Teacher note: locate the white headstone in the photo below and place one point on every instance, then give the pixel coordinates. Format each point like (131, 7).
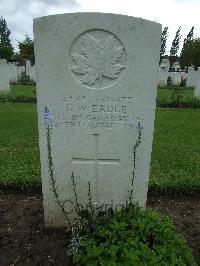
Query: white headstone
(19, 72)
(192, 78)
(32, 73)
(28, 68)
(93, 83)
(22, 69)
(184, 75)
(176, 78)
(4, 76)
(162, 77)
(13, 74)
(197, 87)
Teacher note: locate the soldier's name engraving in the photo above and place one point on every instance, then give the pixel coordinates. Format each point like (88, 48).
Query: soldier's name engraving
(81, 111)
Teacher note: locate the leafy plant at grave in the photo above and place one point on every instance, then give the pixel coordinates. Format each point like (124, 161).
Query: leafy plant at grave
(97, 59)
(88, 220)
(135, 237)
(176, 97)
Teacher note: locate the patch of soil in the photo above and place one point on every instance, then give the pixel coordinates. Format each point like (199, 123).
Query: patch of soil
(184, 212)
(25, 241)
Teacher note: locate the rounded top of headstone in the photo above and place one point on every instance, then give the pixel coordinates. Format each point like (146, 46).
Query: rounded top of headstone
(94, 14)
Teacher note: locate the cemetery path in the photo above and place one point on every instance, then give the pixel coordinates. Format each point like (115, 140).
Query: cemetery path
(24, 240)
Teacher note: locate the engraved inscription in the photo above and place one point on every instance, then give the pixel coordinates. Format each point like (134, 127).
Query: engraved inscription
(81, 111)
(97, 58)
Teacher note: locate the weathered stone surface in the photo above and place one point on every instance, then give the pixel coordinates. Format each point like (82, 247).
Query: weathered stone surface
(162, 77)
(32, 73)
(176, 77)
(99, 84)
(28, 68)
(197, 87)
(13, 73)
(22, 70)
(191, 78)
(4, 76)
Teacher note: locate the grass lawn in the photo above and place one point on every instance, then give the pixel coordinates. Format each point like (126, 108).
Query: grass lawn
(22, 90)
(19, 151)
(175, 156)
(163, 94)
(176, 148)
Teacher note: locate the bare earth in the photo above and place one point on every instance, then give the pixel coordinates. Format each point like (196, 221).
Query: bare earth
(24, 240)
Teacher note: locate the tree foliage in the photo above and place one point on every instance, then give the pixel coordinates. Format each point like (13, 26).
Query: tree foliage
(189, 37)
(175, 47)
(6, 49)
(185, 53)
(163, 42)
(191, 54)
(26, 49)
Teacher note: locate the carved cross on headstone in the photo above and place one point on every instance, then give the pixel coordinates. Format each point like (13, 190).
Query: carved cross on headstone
(95, 160)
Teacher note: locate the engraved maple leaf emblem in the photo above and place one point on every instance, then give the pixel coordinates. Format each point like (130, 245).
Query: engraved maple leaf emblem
(97, 59)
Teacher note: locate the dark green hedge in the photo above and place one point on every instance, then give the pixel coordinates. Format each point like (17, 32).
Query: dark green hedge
(189, 103)
(16, 99)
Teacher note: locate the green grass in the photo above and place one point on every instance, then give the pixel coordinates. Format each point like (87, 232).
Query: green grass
(19, 151)
(176, 149)
(175, 157)
(163, 94)
(22, 90)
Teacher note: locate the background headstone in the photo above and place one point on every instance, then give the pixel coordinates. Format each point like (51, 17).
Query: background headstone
(162, 77)
(176, 77)
(19, 72)
(197, 87)
(13, 73)
(32, 73)
(28, 68)
(4, 76)
(184, 75)
(22, 69)
(191, 78)
(99, 83)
